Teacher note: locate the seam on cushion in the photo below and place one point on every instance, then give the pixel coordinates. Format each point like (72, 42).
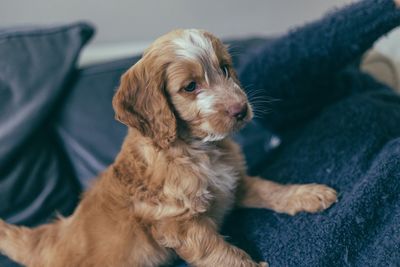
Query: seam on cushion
(109, 67)
(97, 72)
(45, 31)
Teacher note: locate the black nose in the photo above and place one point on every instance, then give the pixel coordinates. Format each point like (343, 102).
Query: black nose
(239, 111)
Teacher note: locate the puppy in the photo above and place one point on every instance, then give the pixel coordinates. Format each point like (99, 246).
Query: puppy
(177, 175)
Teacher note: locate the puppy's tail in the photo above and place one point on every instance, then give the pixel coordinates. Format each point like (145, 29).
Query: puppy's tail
(19, 243)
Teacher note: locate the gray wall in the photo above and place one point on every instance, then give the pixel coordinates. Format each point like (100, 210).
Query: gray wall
(144, 20)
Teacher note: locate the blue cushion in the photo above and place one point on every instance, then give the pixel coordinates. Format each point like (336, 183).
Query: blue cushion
(36, 66)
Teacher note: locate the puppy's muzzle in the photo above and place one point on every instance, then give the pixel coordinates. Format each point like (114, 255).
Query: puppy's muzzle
(238, 111)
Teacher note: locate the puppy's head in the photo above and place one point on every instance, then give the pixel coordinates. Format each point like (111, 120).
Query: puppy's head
(185, 76)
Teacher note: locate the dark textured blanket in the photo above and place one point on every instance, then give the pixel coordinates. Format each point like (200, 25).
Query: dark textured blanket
(338, 127)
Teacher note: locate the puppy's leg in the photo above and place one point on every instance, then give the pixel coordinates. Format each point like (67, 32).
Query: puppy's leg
(198, 243)
(291, 199)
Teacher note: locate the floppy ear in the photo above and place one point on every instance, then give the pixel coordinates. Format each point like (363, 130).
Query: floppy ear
(140, 102)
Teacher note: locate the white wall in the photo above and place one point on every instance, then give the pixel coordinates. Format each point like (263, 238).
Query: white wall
(126, 27)
(144, 20)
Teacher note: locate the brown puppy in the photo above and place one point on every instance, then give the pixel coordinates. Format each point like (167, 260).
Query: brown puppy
(177, 174)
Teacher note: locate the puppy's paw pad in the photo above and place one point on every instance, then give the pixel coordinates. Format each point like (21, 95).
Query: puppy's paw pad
(311, 198)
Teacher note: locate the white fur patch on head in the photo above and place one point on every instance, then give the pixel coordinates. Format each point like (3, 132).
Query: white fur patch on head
(192, 44)
(205, 103)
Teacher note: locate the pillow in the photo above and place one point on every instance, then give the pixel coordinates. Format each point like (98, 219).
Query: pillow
(35, 67)
(88, 131)
(35, 178)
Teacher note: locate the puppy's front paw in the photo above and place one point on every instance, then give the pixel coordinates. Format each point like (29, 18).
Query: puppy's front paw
(263, 264)
(309, 198)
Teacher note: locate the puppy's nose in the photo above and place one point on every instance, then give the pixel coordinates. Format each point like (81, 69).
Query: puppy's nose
(239, 111)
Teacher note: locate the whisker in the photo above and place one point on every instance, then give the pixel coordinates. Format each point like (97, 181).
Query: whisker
(260, 103)
(262, 110)
(235, 53)
(262, 98)
(254, 94)
(262, 114)
(254, 91)
(259, 93)
(258, 110)
(247, 87)
(258, 97)
(261, 107)
(266, 97)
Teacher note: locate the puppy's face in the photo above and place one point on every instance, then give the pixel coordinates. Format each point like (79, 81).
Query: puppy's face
(185, 76)
(203, 87)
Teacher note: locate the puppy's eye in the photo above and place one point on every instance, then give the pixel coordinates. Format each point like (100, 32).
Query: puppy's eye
(191, 87)
(225, 71)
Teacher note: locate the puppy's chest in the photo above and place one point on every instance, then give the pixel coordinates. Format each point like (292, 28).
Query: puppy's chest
(221, 177)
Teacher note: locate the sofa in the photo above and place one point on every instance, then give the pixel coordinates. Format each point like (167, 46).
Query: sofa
(57, 132)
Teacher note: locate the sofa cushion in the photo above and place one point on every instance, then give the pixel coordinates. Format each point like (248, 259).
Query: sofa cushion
(36, 65)
(86, 125)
